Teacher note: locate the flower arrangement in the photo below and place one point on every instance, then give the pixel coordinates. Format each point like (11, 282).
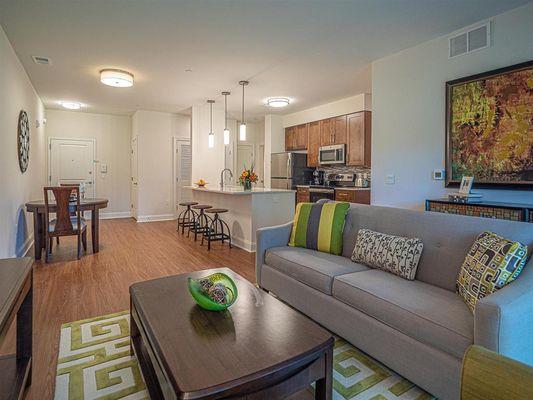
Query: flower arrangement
(248, 176)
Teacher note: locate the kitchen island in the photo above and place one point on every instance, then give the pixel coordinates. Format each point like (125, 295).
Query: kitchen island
(248, 210)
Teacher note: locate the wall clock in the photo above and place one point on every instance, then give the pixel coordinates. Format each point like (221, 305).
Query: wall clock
(23, 141)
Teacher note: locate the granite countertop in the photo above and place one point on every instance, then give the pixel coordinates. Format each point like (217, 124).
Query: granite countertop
(237, 190)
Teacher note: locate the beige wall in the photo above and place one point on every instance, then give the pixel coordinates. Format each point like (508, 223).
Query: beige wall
(155, 132)
(348, 105)
(408, 118)
(112, 135)
(17, 93)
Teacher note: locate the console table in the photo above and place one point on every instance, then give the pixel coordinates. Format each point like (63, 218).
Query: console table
(16, 297)
(486, 209)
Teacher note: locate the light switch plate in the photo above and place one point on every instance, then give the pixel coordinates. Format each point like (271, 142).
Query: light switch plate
(438, 174)
(390, 179)
(103, 168)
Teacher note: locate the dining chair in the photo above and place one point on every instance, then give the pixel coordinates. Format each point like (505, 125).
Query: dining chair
(72, 213)
(68, 220)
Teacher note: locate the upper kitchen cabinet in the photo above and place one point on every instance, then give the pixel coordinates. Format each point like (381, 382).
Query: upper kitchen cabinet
(340, 129)
(358, 139)
(327, 132)
(290, 134)
(333, 131)
(313, 143)
(296, 138)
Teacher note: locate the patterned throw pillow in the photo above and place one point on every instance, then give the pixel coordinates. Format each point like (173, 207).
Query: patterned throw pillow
(394, 254)
(491, 263)
(319, 226)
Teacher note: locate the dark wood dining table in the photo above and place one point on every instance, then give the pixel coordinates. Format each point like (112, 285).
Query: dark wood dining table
(88, 204)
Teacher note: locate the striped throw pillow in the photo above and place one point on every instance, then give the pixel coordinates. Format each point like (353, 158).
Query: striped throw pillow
(319, 226)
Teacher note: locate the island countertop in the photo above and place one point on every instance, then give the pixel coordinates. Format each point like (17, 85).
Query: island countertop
(238, 190)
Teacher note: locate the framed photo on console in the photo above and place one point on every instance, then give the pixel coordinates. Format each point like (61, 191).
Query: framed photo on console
(489, 128)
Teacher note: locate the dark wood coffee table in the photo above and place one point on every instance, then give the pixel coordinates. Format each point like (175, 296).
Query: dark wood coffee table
(258, 349)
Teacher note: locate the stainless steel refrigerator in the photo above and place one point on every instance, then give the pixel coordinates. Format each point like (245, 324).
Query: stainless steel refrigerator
(289, 170)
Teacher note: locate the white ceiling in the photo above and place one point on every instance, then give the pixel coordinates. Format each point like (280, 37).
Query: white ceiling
(311, 51)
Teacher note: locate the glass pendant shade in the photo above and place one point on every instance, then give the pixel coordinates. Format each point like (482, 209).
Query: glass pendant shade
(226, 136)
(211, 140)
(242, 132)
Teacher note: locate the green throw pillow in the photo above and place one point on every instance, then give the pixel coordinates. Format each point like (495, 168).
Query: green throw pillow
(319, 226)
(491, 263)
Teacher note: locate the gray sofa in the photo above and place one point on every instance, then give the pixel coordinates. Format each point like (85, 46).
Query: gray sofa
(419, 328)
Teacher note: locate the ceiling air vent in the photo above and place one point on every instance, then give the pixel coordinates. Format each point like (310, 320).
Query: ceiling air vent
(41, 60)
(470, 40)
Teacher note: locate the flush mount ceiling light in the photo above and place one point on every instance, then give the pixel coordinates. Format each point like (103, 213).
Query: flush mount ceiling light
(116, 78)
(278, 102)
(242, 127)
(71, 105)
(211, 136)
(226, 130)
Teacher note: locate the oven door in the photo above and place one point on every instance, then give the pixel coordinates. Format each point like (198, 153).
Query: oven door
(317, 194)
(331, 154)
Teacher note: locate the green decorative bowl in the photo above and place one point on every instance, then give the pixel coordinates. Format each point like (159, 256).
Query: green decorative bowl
(215, 292)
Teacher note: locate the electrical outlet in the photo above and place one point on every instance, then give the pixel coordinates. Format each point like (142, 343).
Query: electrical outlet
(390, 179)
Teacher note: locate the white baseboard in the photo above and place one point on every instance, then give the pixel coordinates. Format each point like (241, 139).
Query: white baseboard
(154, 218)
(23, 250)
(243, 244)
(113, 215)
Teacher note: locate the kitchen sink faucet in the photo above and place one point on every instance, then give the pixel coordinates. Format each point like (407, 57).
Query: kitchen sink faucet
(222, 176)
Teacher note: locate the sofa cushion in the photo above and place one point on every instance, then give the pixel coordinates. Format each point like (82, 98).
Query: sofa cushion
(311, 267)
(491, 263)
(395, 254)
(429, 314)
(319, 226)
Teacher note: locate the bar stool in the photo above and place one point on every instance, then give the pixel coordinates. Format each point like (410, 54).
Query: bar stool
(213, 234)
(201, 222)
(186, 217)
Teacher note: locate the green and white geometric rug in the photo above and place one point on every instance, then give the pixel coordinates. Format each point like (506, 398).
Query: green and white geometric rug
(95, 362)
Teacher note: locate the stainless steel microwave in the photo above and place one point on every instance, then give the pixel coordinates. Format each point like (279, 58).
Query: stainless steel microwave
(335, 154)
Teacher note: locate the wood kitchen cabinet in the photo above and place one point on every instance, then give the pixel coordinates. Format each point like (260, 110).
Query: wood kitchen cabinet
(358, 146)
(313, 143)
(290, 134)
(333, 131)
(353, 196)
(296, 137)
(302, 195)
(327, 132)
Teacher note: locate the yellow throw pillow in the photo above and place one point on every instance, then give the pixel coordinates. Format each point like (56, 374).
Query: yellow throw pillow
(491, 263)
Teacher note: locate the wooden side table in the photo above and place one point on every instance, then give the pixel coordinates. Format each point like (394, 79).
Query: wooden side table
(16, 297)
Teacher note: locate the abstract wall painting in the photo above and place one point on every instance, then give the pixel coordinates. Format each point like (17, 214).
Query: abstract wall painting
(489, 128)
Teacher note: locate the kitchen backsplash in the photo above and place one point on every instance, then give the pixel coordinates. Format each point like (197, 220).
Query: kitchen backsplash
(344, 169)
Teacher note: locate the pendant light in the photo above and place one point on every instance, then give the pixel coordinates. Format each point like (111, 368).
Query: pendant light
(242, 127)
(226, 130)
(211, 136)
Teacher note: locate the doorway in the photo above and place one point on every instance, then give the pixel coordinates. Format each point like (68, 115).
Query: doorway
(182, 172)
(72, 161)
(245, 157)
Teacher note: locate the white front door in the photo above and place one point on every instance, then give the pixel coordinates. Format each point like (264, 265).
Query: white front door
(182, 172)
(71, 161)
(134, 181)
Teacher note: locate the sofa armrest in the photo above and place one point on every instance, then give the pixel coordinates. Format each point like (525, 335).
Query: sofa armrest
(487, 375)
(266, 238)
(503, 321)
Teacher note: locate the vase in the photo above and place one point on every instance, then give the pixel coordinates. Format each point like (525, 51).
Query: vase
(247, 185)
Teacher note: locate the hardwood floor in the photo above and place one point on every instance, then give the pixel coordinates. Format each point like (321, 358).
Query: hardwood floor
(67, 289)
